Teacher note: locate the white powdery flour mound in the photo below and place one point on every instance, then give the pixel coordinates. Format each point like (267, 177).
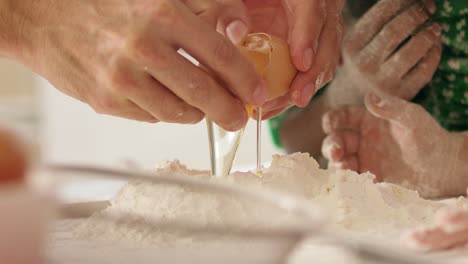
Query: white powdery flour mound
(354, 202)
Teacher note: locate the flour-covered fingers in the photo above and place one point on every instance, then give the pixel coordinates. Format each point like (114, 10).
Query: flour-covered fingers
(348, 163)
(347, 117)
(453, 220)
(412, 52)
(450, 231)
(395, 32)
(372, 22)
(340, 144)
(422, 74)
(435, 238)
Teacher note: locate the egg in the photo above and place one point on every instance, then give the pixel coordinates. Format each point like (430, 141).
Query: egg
(13, 160)
(271, 57)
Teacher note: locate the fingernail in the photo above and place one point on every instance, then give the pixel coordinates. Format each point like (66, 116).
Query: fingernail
(436, 29)
(308, 56)
(260, 94)
(375, 100)
(240, 123)
(307, 93)
(430, 6)
(337, 152)
(236, 31)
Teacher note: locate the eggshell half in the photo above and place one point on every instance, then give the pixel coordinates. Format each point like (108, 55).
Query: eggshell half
(271, 58)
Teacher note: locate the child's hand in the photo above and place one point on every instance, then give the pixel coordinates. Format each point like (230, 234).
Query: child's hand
(376, 56)
(450, 231)
(397, 141)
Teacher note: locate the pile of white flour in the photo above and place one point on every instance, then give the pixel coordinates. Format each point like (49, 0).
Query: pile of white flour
(354, 201)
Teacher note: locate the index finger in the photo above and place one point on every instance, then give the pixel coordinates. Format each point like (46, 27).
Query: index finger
(218, 54)
(372, 22)
(229, 17)
(347, 117)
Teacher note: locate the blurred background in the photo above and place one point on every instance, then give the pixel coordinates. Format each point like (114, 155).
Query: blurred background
(61, 129)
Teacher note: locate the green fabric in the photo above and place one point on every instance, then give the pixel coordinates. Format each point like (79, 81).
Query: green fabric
(446, 96)
(274, 124)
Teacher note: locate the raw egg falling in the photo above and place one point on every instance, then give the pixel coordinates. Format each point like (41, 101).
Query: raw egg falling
(271, 57)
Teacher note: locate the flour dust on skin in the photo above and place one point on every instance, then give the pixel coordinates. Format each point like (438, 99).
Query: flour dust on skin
(353, 201)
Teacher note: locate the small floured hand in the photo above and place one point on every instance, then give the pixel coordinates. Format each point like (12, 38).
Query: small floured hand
(397, 141)
(450, 231)
(392, 49)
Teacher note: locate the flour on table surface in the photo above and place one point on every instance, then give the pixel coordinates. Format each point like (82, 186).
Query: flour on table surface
(354, 202)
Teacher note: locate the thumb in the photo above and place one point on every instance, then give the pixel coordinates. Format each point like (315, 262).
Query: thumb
(396, 110)
(230, 17)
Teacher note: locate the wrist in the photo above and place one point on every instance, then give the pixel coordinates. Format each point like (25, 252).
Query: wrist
(342, 92)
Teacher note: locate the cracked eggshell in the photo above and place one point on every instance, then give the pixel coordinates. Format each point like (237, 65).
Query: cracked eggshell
(271, 58)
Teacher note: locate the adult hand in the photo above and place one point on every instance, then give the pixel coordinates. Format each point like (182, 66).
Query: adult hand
(121, 57)
(390, 50)
(314, 31)
(397, 141)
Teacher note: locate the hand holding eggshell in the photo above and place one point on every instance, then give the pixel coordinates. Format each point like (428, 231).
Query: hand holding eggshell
(130, 65)
(313, 30)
